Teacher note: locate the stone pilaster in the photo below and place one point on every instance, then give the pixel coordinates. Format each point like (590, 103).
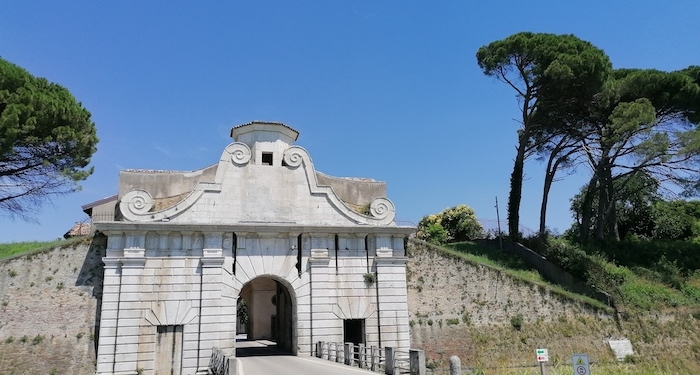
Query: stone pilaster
(211, 324)
(393, 300)
(324, 324)
(110, 310)
(131, 350)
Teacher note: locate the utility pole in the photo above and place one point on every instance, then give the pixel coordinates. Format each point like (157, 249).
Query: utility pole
(498, 221)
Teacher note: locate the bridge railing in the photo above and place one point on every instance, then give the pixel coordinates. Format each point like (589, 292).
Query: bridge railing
(401, 359)
(222, 362)
(387, 361)
(371, 358)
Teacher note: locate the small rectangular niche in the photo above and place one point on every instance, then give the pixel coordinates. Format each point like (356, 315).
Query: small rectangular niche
(168, 350)
(266, 158)
(354, 331)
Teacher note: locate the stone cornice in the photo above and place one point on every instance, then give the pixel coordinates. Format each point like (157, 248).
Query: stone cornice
(108, 226)
(383, 261)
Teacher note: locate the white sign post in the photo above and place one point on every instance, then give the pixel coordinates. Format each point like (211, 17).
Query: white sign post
(580, 363)
(542, 356)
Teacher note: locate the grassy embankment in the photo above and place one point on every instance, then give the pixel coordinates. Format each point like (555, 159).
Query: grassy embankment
(658, 304)
(17, 249)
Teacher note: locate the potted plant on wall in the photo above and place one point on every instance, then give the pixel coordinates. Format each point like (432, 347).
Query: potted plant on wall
(370, 278)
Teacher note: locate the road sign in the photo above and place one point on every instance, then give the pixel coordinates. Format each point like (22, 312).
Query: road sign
(542, 355)
(580, 363)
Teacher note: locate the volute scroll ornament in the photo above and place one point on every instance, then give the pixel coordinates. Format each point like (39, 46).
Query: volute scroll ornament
(137, 202)
(382, 208)
(294, 156)
(240, 153)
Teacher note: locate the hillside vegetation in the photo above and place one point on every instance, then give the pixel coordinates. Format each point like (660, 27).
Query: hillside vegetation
(510, 310)
(640, 276)
(9, 250)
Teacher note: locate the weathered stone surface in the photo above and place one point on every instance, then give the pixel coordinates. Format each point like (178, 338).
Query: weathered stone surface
(465, 309)
(259, 226)
(455, 365)
(50, 300)
(622, 348)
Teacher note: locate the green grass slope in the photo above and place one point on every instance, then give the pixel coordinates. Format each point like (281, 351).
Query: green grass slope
(661, 321)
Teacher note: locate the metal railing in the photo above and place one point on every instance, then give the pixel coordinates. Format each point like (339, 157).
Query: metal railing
(104, 216)
(361, 356)
(490, 228)
(222, 362)
(402, 362)
(387, 360)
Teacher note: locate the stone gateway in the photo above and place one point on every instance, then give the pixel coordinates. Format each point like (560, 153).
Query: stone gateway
(314, 257)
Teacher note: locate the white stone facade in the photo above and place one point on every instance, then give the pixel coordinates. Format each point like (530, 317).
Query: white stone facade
(177, 260)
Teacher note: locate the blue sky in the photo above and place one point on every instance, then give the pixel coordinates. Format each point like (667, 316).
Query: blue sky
(384, 89)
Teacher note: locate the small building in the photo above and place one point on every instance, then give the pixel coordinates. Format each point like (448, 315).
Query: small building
(102, 210)
(315, 258)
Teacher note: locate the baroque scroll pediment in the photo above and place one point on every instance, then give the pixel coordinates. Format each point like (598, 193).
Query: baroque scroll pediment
(137, 205)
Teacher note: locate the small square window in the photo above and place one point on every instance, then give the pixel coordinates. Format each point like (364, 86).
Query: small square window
(267, 158)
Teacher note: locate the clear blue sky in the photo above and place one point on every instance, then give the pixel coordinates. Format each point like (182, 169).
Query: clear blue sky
(382, 89)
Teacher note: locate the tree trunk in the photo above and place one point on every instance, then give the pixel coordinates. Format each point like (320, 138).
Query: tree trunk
(516, 189)
(586, 210)
(553, 164)
(600, 211)
(604, 197)
(611, 209)
(548, 179)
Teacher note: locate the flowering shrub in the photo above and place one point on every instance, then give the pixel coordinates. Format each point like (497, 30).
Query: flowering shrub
(453, 224)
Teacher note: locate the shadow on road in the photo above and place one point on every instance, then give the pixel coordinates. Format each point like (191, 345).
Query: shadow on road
(257, 348)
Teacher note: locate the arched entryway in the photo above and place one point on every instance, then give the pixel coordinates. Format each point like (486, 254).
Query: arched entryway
(271, 313)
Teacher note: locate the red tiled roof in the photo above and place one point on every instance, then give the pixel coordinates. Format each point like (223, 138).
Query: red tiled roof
(79, 230)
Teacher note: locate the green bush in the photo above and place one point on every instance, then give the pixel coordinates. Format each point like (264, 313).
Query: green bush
(453, 224)
(517, 322)
(436, 234)
(691, 292)
(37, 339)
(467, 318)
(646, 295)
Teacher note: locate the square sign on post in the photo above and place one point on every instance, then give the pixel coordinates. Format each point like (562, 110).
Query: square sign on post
(542, 355)
(580, 363)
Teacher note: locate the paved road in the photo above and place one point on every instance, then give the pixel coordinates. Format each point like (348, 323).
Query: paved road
(261, 358)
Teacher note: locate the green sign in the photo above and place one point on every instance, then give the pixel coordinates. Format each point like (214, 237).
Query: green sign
(542, 355)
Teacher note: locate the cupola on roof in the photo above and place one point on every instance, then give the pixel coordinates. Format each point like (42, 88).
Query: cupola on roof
(263, 131)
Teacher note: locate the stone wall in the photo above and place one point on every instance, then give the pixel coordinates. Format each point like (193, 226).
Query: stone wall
(48, 300)
(465, 309)
(442, 286)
